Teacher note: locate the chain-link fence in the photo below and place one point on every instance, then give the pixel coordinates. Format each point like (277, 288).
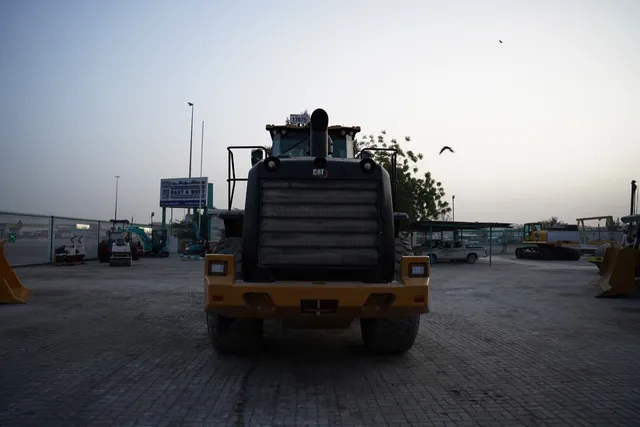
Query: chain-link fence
(34, 238)
(505, 241)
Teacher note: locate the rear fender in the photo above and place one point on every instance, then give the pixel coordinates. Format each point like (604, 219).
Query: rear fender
(400, 222)
(233, 223)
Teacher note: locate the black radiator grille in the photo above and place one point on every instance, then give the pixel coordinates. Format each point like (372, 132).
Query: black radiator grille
(321, 223)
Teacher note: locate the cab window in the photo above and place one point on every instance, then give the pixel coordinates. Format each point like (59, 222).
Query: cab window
(339, 148)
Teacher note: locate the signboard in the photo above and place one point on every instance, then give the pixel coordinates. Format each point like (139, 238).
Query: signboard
(12, 237)
(299, 119)
(184, 192)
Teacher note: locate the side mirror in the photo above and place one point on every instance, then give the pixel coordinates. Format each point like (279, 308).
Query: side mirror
(256, 156)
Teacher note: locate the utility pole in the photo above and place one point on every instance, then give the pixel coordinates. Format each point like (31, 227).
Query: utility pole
(190, 104)
(191, 138)
(115, 215)
(201, 209)
(453, 207)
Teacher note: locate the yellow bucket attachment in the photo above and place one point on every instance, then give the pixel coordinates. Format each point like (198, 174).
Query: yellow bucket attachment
(609, 257)
(618, 271)
(11, 290)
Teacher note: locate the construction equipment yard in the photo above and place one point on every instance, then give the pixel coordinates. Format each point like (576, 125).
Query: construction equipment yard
(520, 342)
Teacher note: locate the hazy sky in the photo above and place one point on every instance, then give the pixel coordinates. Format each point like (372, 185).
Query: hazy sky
(542, 124)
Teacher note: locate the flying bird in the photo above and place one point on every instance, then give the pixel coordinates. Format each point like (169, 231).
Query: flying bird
(500, 41)
(446, 147)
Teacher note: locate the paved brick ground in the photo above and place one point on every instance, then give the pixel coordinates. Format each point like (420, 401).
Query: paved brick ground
(508, 345)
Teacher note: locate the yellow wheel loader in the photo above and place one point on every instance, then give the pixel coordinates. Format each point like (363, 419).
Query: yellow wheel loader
(11, 289)
(317, 245)
(620, 268)
(597, 257)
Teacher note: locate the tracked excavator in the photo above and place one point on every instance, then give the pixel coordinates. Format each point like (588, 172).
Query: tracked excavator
(554, 243)
(317, 245)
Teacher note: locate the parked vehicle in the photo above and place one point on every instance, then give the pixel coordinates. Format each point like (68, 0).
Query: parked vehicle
(452, 251)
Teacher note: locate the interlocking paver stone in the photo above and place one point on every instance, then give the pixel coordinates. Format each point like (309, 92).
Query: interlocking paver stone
(507, 345)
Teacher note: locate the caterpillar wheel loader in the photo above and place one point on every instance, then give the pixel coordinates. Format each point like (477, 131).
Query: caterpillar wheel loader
(317, 245)
(597, 258)
(620, 268)
(557, 243)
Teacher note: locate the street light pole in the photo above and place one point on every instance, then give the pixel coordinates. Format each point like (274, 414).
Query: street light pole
(191, 138)
(190, 104)
(201, 209)
(201, 148)
(453, 207)
(115, 215)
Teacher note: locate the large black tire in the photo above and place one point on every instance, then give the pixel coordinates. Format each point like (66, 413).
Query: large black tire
(135, 255)
(234, 335)
(103, 251)
(472, 258)
(395, 335)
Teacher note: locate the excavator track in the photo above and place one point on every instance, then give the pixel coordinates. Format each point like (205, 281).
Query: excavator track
(548, 253)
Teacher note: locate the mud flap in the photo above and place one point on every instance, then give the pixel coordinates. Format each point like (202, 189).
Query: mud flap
(618, 272)
(11, 289)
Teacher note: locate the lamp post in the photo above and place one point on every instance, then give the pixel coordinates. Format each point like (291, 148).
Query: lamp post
(190, 138)
(115, 215)
(201, 209)
(201, 148)
(453, 207)
(190, 104)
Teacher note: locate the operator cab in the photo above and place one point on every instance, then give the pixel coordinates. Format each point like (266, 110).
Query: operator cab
(293, 141)
(530, 228)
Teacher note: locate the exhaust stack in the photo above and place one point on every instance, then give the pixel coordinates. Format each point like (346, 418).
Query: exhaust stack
(634, 187)
(319, 133)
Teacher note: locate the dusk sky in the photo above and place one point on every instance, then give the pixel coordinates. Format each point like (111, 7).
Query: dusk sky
(542, 124)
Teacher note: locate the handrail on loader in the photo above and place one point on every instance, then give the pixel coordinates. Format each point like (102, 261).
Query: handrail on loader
(11, 289)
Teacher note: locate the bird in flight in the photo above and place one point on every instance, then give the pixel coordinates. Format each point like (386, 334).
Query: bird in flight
(446, 147)
(500, 41)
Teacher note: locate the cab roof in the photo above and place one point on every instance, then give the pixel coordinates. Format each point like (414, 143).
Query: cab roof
(278, 128)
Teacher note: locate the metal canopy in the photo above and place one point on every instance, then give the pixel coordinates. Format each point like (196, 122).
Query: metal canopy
(442, 226)
(439, 226)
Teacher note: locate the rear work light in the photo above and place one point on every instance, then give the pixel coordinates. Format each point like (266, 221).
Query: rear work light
(217, 268)
(418, 270)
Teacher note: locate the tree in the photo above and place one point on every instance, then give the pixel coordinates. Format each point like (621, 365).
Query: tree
(552, 222)
(186, 230)
(420, 196)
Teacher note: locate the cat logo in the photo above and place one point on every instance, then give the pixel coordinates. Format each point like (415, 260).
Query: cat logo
(320, 173)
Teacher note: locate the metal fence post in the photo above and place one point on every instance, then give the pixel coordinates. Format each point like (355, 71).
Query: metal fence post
(52, 239)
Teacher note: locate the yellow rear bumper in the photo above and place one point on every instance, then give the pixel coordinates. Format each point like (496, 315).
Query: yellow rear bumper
(229, 297)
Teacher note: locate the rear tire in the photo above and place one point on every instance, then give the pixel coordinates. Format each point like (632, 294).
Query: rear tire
(234, 335)
(230, 335)
(472, 258)
(396, 335)
(388, 336)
